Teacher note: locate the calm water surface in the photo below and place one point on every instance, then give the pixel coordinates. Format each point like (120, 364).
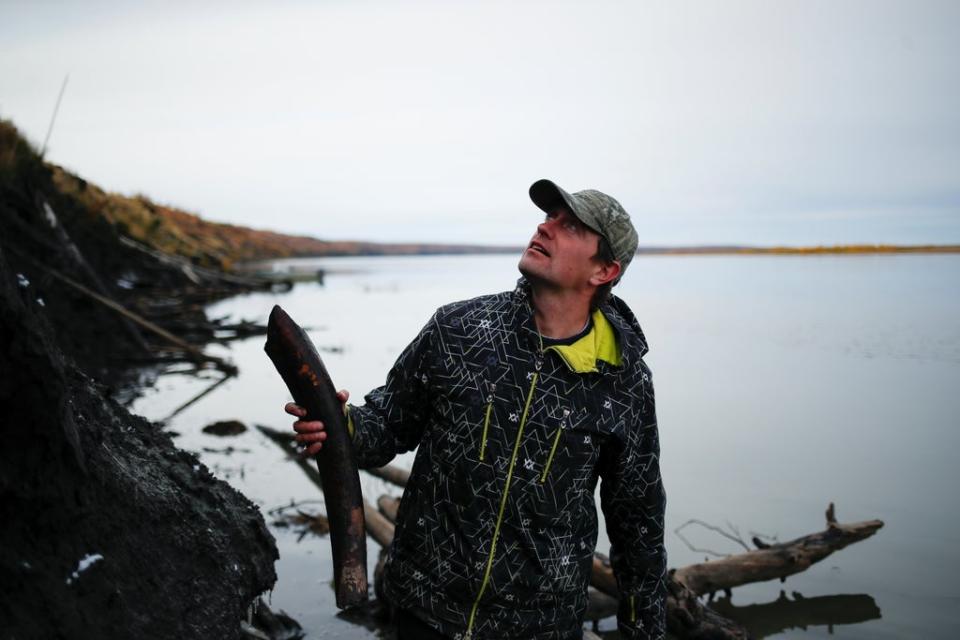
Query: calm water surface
(783, 383)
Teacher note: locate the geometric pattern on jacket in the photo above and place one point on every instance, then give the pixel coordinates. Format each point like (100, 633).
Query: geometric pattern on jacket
(497, 525)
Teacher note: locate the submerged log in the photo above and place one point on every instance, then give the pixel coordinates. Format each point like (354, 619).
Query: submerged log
(776, 560)
(389, 506)
(687, 617)
(381, 527)
(393, 475)
(691, 619)
(303, 371)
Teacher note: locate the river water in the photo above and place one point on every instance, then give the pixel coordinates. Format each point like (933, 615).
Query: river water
(783, 383)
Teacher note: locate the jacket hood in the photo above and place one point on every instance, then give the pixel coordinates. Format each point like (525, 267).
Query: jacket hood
(620, 315)
(623, 319)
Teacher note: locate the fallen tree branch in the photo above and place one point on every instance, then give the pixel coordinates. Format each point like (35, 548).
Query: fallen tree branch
(776, 560)
(713, 528)
(393, 475)
(390, 473)
(81, 264)
(195, 399)
(379, 526)
(194, 352)
(389, 506)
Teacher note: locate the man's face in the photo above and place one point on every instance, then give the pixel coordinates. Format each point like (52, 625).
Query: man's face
(560, 254)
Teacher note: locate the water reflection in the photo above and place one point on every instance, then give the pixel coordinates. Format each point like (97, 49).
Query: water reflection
(371, 617)
(783, 614)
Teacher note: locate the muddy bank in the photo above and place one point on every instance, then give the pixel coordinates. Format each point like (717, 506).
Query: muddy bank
(110, 531)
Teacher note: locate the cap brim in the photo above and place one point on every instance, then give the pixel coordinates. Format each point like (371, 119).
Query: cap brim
(548, 196)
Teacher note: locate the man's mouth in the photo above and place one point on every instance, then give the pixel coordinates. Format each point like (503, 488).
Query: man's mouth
(536, 246)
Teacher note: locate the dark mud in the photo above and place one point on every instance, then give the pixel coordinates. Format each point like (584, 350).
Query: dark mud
(108, 529)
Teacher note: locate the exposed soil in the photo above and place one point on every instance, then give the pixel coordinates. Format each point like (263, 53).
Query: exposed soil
(109, 530)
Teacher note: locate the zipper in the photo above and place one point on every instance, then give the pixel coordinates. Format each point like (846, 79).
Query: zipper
(633, 608)
(491, 387)
(553, 449)
(503, 499)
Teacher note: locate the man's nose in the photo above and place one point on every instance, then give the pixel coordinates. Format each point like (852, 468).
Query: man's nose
(544, 228)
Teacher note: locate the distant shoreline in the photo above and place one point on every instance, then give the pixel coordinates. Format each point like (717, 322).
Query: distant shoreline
(364, 249)
(837, 249)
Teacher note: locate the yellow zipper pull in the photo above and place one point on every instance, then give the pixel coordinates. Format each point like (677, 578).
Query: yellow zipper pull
(553, 449)
(491, 387)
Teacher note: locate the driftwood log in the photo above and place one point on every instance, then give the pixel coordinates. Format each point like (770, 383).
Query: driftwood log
(379, 526)
(391, 474)
(775, 561)
(303, 371)
(688, 617)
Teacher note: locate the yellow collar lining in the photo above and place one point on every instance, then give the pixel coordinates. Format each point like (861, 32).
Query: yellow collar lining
(599, 344)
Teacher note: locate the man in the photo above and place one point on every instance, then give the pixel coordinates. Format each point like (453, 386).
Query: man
(519, 402)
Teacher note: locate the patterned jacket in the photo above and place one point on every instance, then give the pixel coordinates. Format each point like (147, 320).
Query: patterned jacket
(497, 526)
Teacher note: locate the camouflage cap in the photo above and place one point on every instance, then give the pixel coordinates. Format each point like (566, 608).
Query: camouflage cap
(597, 210)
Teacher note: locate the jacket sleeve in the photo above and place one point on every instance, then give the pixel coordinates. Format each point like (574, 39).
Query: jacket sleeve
(633, 502)
(393, 417)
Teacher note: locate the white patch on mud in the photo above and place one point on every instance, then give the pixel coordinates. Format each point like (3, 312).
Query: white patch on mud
(85, 563)
(50, 215)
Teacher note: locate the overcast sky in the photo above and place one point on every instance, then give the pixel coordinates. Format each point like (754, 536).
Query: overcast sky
(765, 122)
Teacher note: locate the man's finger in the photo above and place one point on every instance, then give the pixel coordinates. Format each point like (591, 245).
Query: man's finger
(312, 436)
(294, 409)
(308, 426)
(312, 450)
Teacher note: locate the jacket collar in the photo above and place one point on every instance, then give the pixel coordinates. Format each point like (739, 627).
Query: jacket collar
(599, 344)
(619, 340)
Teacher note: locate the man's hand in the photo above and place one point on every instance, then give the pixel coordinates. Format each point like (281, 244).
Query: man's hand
(311, 433)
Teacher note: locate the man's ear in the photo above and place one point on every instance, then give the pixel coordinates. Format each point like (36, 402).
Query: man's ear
(605, 272)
